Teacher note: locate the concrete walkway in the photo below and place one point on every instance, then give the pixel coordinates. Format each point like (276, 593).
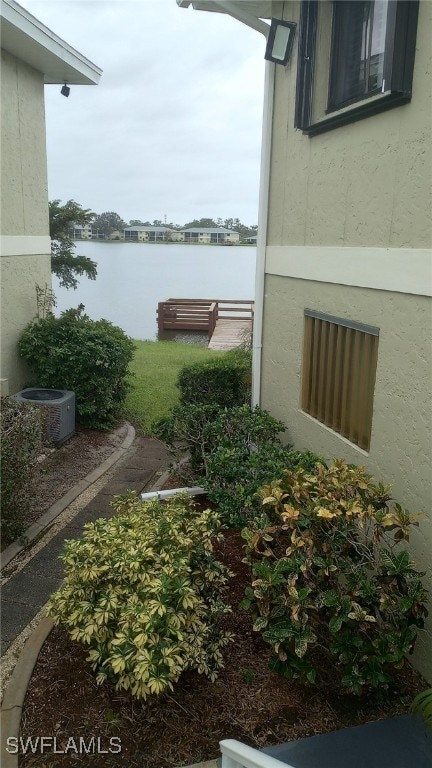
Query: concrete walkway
(24, 594)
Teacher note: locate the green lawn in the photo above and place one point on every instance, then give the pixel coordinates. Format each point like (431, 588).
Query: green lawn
(155, 368)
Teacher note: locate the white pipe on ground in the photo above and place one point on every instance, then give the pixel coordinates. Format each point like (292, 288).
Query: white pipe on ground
(196, 490)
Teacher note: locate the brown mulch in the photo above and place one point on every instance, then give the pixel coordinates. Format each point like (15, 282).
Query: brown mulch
(247, 701)
(61, 469)
(72, 462)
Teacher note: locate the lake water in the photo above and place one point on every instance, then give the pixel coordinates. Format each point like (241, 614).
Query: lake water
(133, 277)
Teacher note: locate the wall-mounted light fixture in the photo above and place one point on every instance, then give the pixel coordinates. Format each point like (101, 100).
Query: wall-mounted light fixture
(65, 91)
(280, 41)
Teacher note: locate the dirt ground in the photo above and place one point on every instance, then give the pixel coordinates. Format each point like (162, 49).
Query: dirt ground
(60, 469)
(247, 701)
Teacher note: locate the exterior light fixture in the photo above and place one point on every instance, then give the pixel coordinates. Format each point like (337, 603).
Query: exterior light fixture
(65, 91)
(280, 41)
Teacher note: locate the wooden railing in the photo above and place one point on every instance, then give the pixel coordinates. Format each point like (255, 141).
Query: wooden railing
(213, 316)
(200, 314)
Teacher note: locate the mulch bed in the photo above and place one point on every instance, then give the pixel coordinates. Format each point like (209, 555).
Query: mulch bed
(62, 468)
(247, 702)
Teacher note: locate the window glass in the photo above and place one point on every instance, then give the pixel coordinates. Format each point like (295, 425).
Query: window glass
(355, 59)
(358, 50)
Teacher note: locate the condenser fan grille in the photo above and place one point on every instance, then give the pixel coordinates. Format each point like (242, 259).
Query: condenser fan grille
(59, 409)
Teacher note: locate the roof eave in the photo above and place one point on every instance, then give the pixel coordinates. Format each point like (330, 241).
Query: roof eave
(26, 38)
(259, 8)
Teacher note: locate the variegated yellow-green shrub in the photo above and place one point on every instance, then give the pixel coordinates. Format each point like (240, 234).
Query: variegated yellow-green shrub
(331, 586)
(144, 593)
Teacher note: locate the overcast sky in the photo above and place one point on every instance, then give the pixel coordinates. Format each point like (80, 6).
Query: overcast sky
(174, 126)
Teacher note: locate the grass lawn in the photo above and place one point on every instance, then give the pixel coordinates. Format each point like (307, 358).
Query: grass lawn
(155, 367)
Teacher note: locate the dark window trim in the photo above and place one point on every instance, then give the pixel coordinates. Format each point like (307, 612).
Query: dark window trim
(333, 105)
(305, 64)
(354, 100)
(401, 77)
(358, 113)
(371, 329)
(404, 40)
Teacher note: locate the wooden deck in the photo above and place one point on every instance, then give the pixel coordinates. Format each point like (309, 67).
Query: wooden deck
(229, 334)
(226, 322)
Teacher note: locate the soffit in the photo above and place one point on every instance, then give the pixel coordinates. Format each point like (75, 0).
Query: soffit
(26, 38)
(259, 8)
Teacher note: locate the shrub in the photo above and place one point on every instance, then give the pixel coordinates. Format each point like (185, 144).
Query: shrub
(224, 381)
(232, 452)
(422, 705)
(234, 476)
(230, 436)
(144, 592)
(244, 452)
(90, 357)
(21, 427)
(327, 586)
(184, 432)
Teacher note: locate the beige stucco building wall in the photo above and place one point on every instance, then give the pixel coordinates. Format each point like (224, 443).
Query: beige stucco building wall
(348, 234)
(25, 243)
(177, 237)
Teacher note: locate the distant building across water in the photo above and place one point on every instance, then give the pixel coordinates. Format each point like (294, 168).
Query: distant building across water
(159, 234)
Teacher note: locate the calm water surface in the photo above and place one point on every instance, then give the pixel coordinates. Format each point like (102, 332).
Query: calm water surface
(133, 277)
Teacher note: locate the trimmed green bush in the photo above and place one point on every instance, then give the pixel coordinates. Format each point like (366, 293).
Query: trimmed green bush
(330, 589)
(21, 429)
(90, 357)
(246, 452)
(232, 452)
(224, 381)
(184, 433)
(144, 593)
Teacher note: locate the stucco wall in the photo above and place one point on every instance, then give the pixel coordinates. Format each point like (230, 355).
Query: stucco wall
(367, 186)
(400, 449)
(19, 275)
(25, 252)
(24, 199)
(367, 183)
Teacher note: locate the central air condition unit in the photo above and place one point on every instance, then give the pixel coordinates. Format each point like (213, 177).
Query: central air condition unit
(59, 407)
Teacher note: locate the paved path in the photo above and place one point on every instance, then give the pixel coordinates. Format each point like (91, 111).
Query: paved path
(29, 589)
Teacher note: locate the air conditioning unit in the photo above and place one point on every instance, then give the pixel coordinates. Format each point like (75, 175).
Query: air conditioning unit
(59, 407)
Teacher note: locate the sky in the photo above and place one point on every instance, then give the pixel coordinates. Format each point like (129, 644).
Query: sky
(174, 127)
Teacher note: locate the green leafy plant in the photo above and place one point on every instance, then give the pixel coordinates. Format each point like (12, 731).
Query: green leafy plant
(65, 264)
(328, 585)
(232, 452)
(21, 430)
(422, 705)
(248, 675)
(185, 433)
(90, 357)
(144, 593)
(224, 381)
(245, 451)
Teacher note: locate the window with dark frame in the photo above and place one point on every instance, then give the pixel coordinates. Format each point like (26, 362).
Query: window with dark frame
(360, 57)
(338, 376)
(371, 55)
